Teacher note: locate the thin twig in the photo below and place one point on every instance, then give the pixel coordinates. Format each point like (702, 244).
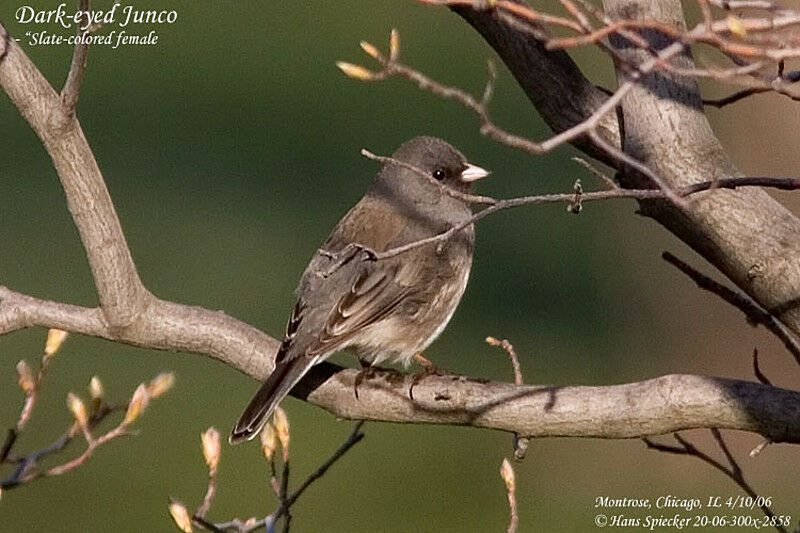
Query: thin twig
(216, 528)
(31, 396)
(736, 5)
(641, 168)
(779, 84)
(735, 97)
(495, 204)
(72, 87)
(512, 354)
(713, 35)
(757, 371)
(282, 497)
(31, 386)
(470, 198)
(520, 11)
(27, 466)
(11, 438)
(82, 458)
(733, 471)
(29, 461)
(273, 477)
(596, 172)
(287, 501)
(761, 447)
(753, 37)
(520, 443)
(392, 67)
(734, 466)
(211, 491)
(754, 312)
(354, 438)
(512, 506)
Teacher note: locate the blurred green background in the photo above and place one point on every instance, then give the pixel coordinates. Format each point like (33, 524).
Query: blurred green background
(230, 149)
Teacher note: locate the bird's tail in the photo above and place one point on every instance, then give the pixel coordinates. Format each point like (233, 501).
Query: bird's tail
(285, 376)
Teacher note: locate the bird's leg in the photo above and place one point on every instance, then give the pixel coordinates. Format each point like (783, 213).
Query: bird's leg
(428, 369)
(427, 365)
(366, 370)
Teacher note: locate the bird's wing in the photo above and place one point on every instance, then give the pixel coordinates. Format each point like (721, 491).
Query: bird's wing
(361, 291)
(373, 289)
(332, 308)
(377, 291)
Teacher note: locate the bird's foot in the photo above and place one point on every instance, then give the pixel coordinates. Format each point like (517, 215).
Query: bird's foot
(428, 369)
(365, 372)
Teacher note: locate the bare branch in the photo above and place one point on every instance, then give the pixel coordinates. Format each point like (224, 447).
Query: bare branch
(286, 500)
(519, 10)
(735, 232)
(520, 442)
(123, 298)
(72, 87)
(657, 406)
(512, 354)
(760, 448)
(733, 471)
(588, 127)
(354, 438)
(569, 199)
(129, 313)
(28, 466)
(757, 371)
(211, 453)
(610, 183)
(166, 326)
(755, 314)
(83, 457)
(551, 80)
(733, 98)
(31, 385)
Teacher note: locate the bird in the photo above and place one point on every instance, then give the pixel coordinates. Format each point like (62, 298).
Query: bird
(380, 308)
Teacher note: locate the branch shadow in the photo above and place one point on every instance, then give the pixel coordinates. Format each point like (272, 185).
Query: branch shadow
(398, 383)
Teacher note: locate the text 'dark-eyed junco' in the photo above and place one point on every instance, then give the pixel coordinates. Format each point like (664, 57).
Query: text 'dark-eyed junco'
(389, 308)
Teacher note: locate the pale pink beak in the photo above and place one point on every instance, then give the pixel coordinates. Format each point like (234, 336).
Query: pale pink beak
(473, 173)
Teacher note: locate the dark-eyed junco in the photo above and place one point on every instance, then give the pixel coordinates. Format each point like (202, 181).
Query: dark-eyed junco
(379, 309)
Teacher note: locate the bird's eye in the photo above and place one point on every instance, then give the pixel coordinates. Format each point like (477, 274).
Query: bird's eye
(438, 174)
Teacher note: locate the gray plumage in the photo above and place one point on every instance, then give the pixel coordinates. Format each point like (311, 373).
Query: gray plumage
(383, 309)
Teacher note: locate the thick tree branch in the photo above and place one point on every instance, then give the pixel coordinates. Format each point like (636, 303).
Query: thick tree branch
(128, 312)
(122, 296)
(165, 326)
(749, 236)
(661, 405)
